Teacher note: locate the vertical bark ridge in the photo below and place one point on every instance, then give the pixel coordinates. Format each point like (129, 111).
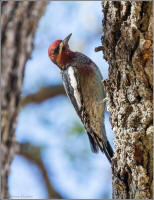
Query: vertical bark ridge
(127, 46)
(19, 21)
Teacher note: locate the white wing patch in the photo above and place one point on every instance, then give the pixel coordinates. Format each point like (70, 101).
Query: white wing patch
(74, 85)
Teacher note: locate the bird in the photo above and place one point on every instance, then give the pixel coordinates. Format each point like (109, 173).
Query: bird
(82, 81)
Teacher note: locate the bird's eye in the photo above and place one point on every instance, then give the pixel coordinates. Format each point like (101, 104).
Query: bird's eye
(56, 50)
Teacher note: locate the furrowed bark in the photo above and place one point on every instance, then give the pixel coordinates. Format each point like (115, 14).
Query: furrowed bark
(19, 21)
(127, 46)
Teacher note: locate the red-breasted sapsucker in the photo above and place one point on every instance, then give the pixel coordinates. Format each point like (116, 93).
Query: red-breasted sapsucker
(83, 84)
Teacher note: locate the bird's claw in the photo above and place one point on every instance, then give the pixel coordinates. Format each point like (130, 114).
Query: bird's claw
(102, 101)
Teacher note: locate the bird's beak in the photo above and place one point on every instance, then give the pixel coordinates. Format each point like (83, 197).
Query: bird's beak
(64, 43)
(66, 40)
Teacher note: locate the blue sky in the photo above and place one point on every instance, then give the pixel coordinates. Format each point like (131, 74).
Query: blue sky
(69, 161)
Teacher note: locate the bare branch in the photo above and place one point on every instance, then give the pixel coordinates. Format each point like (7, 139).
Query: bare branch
(33, 154)
(43, 94)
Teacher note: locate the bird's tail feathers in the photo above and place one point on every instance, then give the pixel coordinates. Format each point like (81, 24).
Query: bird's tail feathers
(93, 144)
(106, 148)
(97, 143)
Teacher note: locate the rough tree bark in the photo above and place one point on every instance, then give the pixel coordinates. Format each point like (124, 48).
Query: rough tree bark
(127, 46)
(19, 21)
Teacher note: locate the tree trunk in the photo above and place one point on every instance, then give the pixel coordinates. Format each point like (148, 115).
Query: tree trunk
(19, 21)
(127, 46)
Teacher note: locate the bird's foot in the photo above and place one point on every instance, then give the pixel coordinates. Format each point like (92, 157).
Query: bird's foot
(103, 101)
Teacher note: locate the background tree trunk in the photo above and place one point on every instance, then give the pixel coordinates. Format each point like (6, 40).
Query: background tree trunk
(19, 21)
(127, 46)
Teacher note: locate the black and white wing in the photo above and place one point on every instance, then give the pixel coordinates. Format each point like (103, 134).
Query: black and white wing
(73, 90)
(72, 87)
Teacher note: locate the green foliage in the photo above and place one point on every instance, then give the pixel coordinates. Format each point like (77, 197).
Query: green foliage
(76, 129)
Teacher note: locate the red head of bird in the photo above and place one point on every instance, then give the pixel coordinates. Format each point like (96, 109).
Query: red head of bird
(60, 53)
